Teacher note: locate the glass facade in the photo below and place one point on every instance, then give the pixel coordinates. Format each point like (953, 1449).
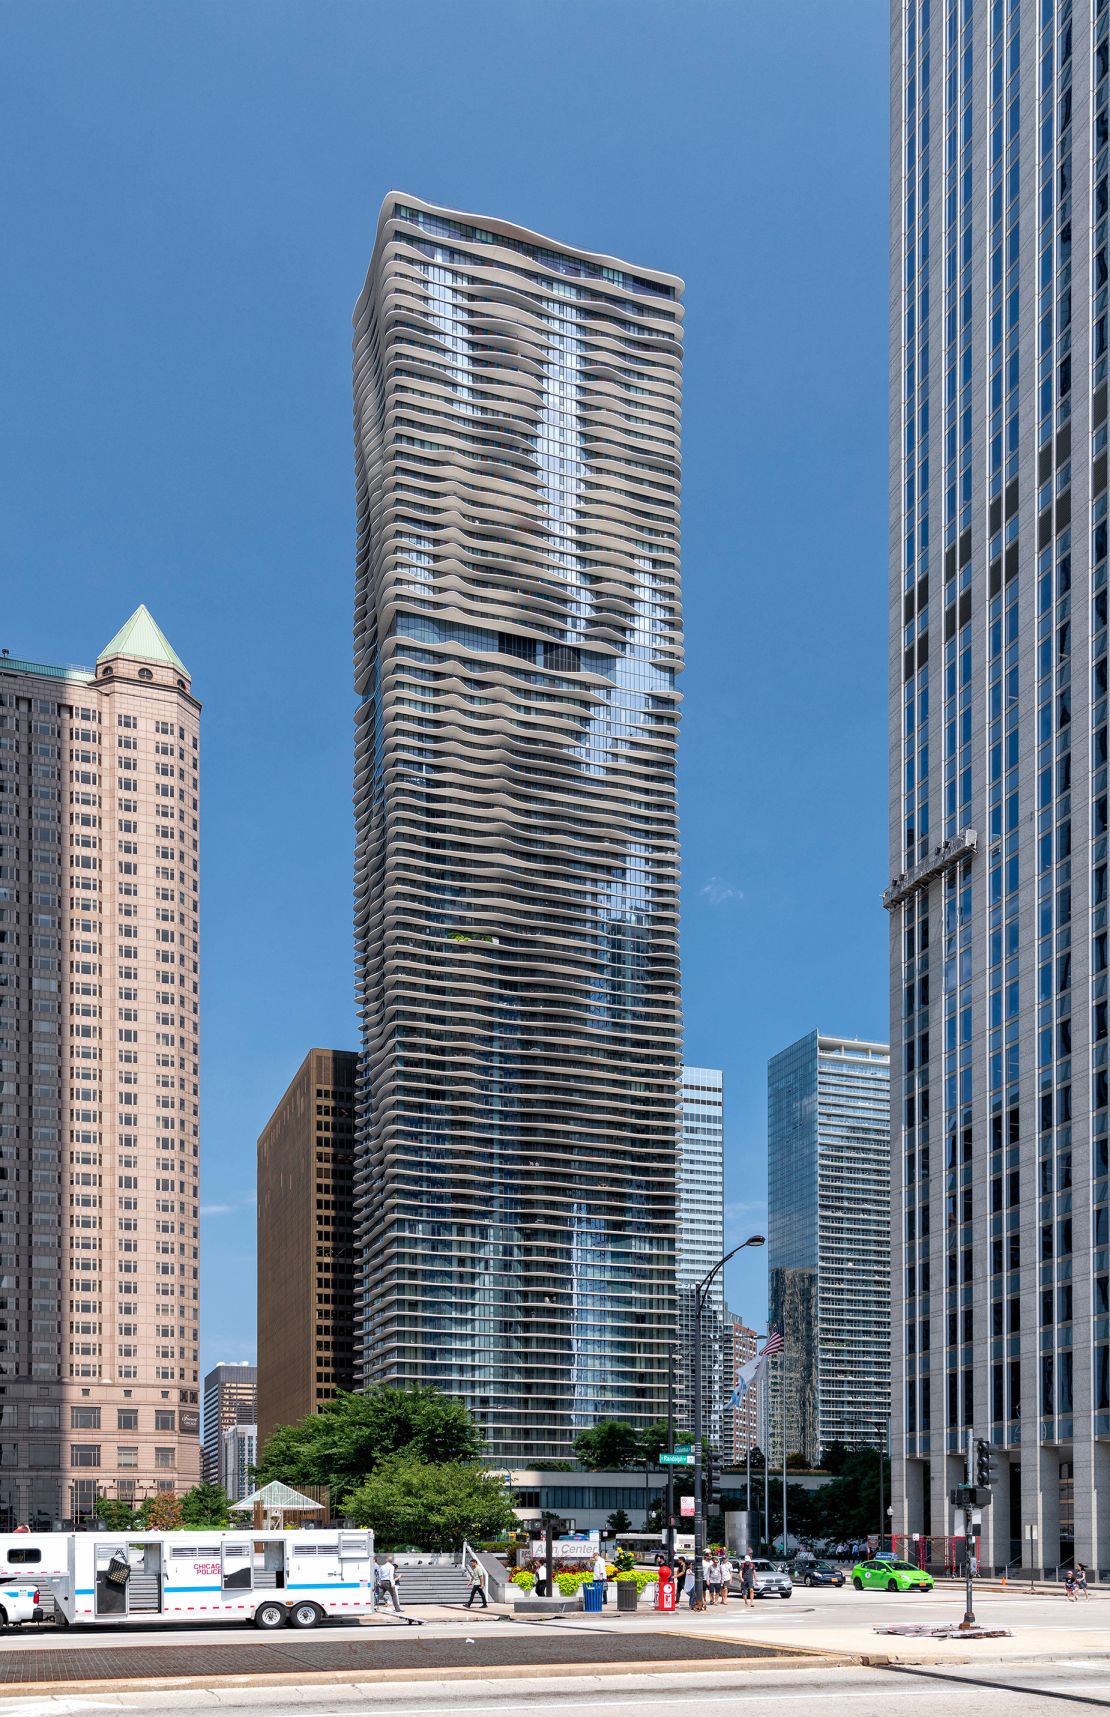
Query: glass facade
(998, 613)
(701, 1243)
(517, 640)
(828, 1198)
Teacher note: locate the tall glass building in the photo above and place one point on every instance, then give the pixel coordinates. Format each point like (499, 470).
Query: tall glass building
(828, 1232)
(998, 764)
(517, 641)
(701, 1242)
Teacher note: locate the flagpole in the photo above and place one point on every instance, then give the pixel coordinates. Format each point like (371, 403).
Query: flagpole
(784, 1452)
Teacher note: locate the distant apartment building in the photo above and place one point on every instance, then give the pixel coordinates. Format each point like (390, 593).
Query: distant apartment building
(306, 1242)
(238, 1454)
(230, 1401)
(700, 1243)
(740, 1426)
(99, 1079)
(828, 1188)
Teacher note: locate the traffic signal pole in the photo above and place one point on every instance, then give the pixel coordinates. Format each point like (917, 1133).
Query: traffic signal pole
(969, 1613)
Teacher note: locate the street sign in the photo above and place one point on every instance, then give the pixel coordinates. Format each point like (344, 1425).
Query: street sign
(684, 1448)
(675, 1460)
(685, 1505)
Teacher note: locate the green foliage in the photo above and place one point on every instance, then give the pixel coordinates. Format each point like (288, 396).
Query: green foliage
(610, 1446)
(117, 1516)
(524, 1578)
(624, 1561)
(160, 1512)
(205, 1505)
(619, 1521)
(435, 1506)
(642, 1576)
(352, 1435)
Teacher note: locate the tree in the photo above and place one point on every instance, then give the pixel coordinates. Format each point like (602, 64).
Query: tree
(118, 1516)
(409, 1501)
(608, 1446)
(619, 1521)
(205, 1505)
(652, 1441)
(161, 1512)
(353, 1434)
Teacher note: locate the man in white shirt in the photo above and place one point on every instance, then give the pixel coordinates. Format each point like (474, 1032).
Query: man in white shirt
(387, 1583)
(601, 1574)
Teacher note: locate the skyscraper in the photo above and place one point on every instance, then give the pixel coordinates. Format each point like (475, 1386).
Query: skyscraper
(739, 1425)
(828, 1214)
(99, 1070)
(998, 765)
(701, 1242)
(230, 1398)
(306, 1263)
(517, 640)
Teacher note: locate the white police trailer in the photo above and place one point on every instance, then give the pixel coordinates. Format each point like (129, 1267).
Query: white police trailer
(36, 1556)
(267, 1578)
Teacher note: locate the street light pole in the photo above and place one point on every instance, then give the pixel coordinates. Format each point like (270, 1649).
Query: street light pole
(880, 1426)
(701, 1292)
(669, 1504)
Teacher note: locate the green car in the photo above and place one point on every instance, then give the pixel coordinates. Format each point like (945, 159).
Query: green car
(891, 1576)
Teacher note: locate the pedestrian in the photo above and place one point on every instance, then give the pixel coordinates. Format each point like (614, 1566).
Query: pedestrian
(1069, 1586)
(726, 1577)
(679, 1578)
(387, 1583)
(601, 1575)
(692, 1582)
(1081, 1581)
(713, 1580)
(747, 1581)
(477, 1589)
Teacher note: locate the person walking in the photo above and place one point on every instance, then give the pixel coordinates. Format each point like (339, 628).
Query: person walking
(387, 1582)
(747, 1581)
(477, 1589)
(726, 1577)
(1069, 1586)
(1081, 1581)
(713, 1580)
(601, 1575)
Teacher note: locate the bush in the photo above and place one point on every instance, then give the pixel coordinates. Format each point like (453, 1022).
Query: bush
(524, 1578)
(642, 1576)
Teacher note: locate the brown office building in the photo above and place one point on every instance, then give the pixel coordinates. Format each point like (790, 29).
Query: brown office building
(99, 1028)
(305, 1154)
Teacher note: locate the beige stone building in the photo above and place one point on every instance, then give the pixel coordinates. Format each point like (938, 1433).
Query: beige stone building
(99, 1079)
(305, 1241)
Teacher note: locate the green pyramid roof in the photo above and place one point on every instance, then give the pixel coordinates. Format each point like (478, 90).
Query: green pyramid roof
(141, 636)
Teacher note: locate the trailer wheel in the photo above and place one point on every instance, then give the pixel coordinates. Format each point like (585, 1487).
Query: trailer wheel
(304, 1615)
(269, 1615)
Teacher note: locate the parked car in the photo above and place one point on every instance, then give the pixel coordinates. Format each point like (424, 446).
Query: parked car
(821, 1574)
(770, 1582)
(19, 1604)
(890, 1575)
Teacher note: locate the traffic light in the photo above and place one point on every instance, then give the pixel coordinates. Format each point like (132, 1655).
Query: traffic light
(712, 1481)
(985, 1469)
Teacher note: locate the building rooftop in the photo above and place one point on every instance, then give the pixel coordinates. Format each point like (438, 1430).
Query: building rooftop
(142, 637)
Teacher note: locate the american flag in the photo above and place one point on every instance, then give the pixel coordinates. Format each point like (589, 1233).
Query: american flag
(775, 1344)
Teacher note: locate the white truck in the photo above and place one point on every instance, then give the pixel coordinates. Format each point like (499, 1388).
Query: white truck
(268, 1578)
(19, 1604)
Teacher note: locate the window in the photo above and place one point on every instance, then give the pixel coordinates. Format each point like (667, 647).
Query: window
(84, 1419)
(165, 1419)
(23, 1558)
(85, 1455)
(127, 1457)
(165, 1457)
(127, 1418)
(45, 1418)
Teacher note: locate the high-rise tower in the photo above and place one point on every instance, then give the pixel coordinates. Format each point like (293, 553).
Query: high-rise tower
(828, 1224)
(701, 1242)
(517, 639)
(998, 765)
(99, 1071)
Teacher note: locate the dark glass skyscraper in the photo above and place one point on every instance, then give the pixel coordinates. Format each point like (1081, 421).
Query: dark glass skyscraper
(828, 1227)
(998, 765)
(517, 639)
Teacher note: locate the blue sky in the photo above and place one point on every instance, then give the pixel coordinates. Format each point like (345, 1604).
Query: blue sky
(190, 192)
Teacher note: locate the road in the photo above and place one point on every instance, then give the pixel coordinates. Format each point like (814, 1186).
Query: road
(487, 1663)
(1031, 1692)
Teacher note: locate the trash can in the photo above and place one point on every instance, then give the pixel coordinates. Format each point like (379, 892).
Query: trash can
(592, 1594)
(628, 1595)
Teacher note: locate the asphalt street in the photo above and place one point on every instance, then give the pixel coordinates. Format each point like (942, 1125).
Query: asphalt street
(1028, 1692)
